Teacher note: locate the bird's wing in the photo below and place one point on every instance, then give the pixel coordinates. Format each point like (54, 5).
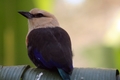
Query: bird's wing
(50, 47)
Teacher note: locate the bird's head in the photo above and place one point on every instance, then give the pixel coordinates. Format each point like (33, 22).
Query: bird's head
(39, 19)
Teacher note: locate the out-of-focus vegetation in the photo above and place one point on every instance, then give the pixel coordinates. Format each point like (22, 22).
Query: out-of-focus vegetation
(13, 30)
(93, 25)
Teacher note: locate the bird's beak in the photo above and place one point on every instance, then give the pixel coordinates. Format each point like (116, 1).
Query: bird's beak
(26, 14)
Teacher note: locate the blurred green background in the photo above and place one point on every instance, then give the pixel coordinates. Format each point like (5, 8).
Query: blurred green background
(93, 25)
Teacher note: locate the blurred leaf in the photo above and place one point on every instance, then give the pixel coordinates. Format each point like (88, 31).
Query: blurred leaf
(14, 28)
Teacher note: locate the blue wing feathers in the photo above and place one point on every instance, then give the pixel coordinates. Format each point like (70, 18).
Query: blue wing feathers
(39, 58)
(63, 74)
(49, 64)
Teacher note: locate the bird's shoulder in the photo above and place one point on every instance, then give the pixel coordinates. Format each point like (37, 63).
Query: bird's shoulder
(49, 33)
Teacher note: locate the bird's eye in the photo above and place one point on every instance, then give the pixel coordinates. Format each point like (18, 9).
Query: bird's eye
(39, 15)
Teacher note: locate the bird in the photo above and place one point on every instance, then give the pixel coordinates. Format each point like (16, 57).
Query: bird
(48, 44)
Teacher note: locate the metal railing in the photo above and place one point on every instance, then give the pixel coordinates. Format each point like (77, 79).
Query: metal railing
(25, 72)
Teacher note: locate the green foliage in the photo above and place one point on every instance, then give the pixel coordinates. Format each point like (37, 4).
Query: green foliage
(13, 30)
(103, 56)
(45, 4)
(117, 57)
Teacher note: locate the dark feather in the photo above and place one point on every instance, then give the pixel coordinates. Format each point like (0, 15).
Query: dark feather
(50, 48)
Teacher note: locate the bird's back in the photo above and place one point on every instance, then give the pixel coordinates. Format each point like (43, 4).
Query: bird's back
(50, 48)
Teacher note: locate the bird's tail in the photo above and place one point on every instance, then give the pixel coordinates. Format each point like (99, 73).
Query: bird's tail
(63, 74)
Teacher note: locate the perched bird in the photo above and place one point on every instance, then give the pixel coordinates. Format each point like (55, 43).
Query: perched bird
(49, 46)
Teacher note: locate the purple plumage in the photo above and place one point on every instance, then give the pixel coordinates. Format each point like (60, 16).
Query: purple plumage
(50, 48)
